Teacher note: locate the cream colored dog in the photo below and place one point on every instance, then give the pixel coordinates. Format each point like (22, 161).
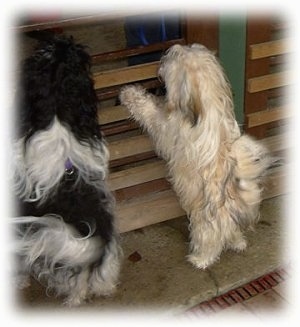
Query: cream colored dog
(216, 172)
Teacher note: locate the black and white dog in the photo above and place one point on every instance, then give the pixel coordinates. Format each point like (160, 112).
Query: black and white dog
(65, 229)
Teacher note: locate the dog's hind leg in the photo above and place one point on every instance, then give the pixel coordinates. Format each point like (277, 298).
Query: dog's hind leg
(104, 276)
(210, 236)
(78, 293)
(206, 242)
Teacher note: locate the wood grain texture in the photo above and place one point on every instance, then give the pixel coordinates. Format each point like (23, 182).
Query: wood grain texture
(270, 48)
(125, 75)
(268, 116)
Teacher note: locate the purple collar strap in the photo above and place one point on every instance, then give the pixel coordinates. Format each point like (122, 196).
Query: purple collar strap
(69, 168)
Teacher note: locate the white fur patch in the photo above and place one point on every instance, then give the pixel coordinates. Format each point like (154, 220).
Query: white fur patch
(65, 262)
(55, 242)
(38, 170)
(104, 279)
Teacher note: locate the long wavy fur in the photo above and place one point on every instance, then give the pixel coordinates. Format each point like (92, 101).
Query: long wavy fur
(216, 172)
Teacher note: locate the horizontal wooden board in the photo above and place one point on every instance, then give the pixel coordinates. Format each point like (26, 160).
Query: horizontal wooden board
(125, 75)
(137, 175)
(268, 116)
(146, 211)
(129, 146)
(141, 190)
(119, 127)
(114, 91)
(267, 82)
(112, 114)
(138, 50)
(268, 49)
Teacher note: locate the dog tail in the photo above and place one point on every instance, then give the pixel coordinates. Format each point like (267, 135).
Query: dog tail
(51, 240)
(55, 253)
(252, 159)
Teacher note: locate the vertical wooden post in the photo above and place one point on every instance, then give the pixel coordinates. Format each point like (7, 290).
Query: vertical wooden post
(202, 29)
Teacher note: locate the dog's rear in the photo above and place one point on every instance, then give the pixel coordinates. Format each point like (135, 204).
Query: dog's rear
(65, 234)
(252, 160)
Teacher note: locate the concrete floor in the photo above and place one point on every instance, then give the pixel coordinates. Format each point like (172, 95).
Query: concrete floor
(156, 276)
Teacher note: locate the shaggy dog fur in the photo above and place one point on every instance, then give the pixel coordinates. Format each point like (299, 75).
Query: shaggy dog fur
(216, 172)
(65, 230)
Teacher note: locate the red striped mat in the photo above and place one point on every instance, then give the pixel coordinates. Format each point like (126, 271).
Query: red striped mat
(242, 293)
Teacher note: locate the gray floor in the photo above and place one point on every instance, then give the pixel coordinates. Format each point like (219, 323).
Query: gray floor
(155, 274)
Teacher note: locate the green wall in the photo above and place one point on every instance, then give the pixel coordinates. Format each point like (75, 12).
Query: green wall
(232, 52)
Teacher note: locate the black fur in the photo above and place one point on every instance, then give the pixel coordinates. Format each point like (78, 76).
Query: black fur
(56, 82)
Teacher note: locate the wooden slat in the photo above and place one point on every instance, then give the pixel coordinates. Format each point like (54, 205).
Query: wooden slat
(268, 116)
(121, 54)
(112, 114)
(125, 75)
(137, 175)
(113, 91)
(267, 82)
(119, 127)
(132, 159)
(129, 147)
(148, 210)
(268, 49)
(142, 190)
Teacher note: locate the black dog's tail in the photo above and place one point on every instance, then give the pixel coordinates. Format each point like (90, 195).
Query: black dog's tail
(56, 242)
(67, 263)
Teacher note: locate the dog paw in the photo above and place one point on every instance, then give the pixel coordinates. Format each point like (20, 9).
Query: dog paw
(200, 261)
(131, 94)
(238, 245)
(72, 302)
(102, 288)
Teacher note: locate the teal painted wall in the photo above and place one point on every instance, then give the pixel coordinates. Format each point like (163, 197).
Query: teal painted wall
(232, 53)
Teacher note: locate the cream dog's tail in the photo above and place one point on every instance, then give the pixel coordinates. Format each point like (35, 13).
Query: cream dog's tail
(252, 159)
